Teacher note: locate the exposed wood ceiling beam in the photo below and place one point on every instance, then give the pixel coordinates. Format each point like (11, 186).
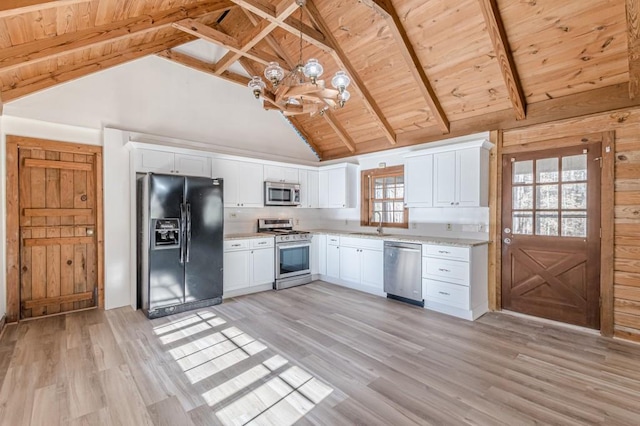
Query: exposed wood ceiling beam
(73, 71)
(340, 131)
(633, 37)
(501, 47)
(199, 65)
(386, 9)
(603, 100)
(212, 35)
(40, 50)
(259, 32)
(271, 41)
(341, 59)
(293, 25)
(18, 7)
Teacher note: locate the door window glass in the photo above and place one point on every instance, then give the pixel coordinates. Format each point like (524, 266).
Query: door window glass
(555, 202)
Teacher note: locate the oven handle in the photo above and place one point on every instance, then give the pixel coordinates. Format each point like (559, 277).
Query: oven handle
(293, 245)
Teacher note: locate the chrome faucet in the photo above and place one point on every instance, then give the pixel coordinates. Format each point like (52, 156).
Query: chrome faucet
(379, 229)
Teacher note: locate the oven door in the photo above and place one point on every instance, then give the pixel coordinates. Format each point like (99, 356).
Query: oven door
(292, 259)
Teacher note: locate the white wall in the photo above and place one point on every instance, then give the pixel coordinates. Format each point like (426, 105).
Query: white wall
(156, 96)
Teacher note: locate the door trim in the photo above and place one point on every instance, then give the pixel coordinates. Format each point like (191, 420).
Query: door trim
(13, 214)
(606, 215)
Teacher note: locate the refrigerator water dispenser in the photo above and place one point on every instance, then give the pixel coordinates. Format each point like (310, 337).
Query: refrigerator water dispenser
(166, 233)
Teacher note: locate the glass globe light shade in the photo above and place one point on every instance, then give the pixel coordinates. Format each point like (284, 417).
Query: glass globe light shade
(343, 97)
(256, 85)
(293, 101)
(274, 73)
(313, 70)
(340, 81)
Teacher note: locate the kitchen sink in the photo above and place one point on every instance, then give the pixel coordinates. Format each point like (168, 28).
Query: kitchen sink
(369, 234)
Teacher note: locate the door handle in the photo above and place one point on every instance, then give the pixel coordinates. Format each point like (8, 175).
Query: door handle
(182, 232)
(507, 230)
(188, 254)
(507, 241)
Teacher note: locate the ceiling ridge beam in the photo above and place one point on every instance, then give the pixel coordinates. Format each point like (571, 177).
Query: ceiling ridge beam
(41, 50)
(498, 35)
(632, 8)
(74, 71)
(340, 131)
(271, 41)
(18, 7)
(292, 25)
(386, 9)
(213, 35)
(258, 33)
(341, 59)
(202, 66)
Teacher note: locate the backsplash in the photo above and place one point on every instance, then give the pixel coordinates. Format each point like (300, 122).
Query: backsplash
(436, 222)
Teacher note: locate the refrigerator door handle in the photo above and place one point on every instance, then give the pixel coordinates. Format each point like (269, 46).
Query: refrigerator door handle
(183, 218)
(188, 256)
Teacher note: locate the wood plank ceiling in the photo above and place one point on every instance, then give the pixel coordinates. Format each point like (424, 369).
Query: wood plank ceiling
(419, 69)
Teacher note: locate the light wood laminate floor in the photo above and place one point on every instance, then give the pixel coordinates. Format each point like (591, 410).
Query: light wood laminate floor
(317, 354)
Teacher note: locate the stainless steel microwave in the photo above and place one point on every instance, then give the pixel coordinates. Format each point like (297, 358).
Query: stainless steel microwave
(281, 194)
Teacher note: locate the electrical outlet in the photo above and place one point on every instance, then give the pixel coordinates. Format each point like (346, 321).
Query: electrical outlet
(449, 227)
(346, 222)
(233, 215)
(297, 221)
(414, 225)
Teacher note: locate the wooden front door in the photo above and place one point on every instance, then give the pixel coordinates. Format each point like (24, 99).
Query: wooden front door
(551, 234)
(58, 226)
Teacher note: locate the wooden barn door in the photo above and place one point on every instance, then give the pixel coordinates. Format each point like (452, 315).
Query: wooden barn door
(58, 226)
(551, 234)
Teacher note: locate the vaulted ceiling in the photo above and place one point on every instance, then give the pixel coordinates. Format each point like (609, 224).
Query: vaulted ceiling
(420, 69)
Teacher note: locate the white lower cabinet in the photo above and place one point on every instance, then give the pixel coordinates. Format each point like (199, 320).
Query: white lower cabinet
(318, 255)
(249, 266)
(454, 280)
(333, 256)
(361, 264)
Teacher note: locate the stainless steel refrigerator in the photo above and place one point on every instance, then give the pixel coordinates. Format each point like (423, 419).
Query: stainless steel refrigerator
(180, 237)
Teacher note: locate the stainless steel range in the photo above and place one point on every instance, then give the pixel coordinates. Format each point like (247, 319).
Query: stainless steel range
(293, 249)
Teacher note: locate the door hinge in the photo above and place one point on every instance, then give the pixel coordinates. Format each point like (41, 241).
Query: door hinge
(600, 232)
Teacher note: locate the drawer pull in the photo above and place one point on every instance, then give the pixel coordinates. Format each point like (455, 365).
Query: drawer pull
(262, 243)
(444, 292)
(443, 252)
(443, 270)
(235, 245)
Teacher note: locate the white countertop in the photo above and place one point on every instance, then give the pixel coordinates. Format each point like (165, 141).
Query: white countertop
(420, 239)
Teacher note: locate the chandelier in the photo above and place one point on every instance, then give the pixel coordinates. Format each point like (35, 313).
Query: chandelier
(293, 94)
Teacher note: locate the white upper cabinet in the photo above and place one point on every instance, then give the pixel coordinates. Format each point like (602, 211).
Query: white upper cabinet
(148, 160)
(418, 181)
(461, 178)
(338, 186)
(243, 182)
(281, 174)
(309, 189)
(444, 179)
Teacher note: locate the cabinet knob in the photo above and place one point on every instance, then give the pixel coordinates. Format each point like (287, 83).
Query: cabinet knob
(452, 203)
(457, 204)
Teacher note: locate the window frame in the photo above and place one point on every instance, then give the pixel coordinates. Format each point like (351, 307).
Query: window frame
(366, 206)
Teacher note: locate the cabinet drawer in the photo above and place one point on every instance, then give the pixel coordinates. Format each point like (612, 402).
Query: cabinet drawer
(446, 270)
(365, 243)
(446, 252)
(333, 240)
(448, 294)
(233, 245)
(262, 243)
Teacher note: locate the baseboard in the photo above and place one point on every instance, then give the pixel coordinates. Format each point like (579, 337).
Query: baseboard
(3, 322)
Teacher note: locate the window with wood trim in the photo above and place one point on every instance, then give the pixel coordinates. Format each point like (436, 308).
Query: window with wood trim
(382, 196)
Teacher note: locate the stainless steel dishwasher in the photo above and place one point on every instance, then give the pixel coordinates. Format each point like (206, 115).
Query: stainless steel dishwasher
(403, 272)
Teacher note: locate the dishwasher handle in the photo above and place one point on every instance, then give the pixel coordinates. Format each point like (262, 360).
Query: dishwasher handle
(402, 246)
